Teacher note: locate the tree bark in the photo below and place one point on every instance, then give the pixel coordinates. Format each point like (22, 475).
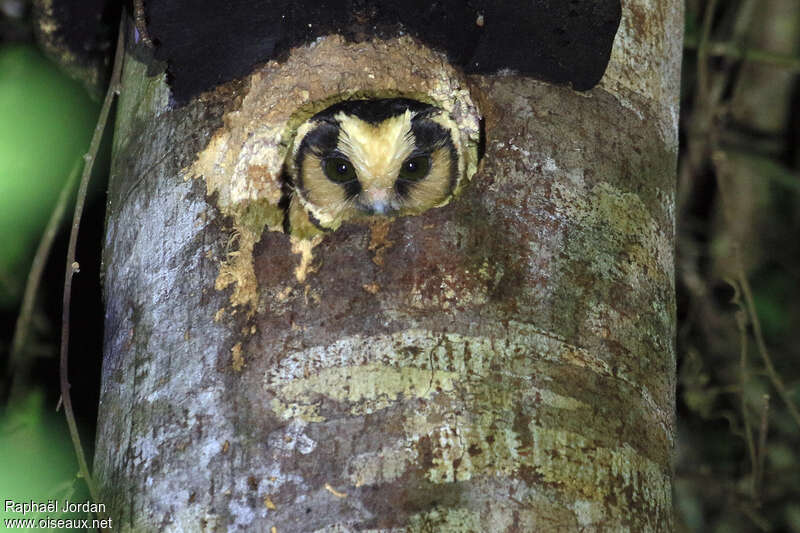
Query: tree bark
(503, 363)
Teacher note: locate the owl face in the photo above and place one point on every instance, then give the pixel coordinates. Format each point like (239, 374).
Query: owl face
(374, 157)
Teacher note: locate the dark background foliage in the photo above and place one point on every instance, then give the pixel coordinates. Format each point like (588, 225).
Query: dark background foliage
(738, 268)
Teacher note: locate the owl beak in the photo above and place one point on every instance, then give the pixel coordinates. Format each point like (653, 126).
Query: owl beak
(380, 208)
(378, 200)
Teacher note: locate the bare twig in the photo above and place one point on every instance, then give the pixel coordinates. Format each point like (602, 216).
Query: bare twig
(703, 76)
(741, 23)
(702, 127)
(113, 90)
(711, 91)
(744, 375)
(776, 379)
(758, 520)
(720, 166)
(727, 50)
(762, 444)
(18, 365)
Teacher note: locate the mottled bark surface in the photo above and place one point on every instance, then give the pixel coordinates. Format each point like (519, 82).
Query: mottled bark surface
(504, 363)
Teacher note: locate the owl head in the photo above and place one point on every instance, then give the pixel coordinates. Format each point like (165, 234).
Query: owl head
(392, 156)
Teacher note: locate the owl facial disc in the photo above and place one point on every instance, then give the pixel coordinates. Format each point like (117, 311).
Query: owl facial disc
(374, 157)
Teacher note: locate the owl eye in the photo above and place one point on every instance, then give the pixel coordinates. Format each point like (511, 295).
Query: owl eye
(415, 168)
(339, 170)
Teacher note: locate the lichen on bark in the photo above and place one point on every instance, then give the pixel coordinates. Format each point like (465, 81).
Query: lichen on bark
(503, 363)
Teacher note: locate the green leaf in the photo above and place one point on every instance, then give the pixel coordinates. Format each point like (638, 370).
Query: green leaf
(46, 121)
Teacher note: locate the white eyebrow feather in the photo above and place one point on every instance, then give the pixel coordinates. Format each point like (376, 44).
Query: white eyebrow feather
(376, 150)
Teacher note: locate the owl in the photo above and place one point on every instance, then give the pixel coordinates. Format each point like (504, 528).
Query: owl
(389, 156)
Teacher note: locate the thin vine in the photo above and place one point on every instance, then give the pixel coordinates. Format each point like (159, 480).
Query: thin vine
(72, 266)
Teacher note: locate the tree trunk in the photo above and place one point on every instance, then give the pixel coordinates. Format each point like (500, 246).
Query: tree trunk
(503, 363)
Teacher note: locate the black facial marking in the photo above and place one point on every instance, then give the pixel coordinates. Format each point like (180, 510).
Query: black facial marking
(287, 185)
(321, 141)
(314, 220)
(352, 189)
(401, 187)
(430, 136)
